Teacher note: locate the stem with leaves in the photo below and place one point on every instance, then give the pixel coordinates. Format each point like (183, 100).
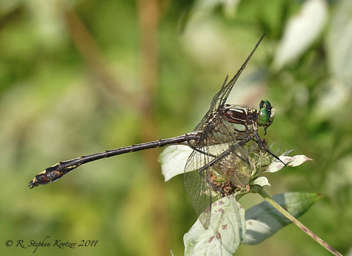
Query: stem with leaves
(260, 190)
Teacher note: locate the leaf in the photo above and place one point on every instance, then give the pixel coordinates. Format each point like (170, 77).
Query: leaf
(290, 161)
(339, 46)
(173, 160)
(263, 220)
(297, 160)
(261, 181)
(301, 31)
(225, 233)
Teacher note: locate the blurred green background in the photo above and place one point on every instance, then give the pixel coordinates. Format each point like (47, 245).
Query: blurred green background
(79, 77)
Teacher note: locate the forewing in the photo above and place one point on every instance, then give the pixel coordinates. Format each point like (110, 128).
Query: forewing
(217, 149)
(220, 98)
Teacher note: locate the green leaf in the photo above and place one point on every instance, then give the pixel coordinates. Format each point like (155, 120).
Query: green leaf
(225, 233)
(263, 220)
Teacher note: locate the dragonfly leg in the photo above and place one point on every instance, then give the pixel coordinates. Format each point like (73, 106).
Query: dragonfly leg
(201, 173)
(203, 152)
(214, 161)
(262, 146)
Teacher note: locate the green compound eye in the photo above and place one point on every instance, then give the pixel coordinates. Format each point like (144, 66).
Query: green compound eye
(266, 114)
(265, 104)
(263, 117)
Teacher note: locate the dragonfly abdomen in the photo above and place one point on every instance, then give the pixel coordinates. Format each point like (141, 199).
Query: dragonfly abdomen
(55, 172)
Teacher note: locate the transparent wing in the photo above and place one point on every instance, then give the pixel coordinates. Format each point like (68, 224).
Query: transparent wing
(216, 150)
(233, 161)
(198, 187)
(220, 98)
(234, 166)
(219, 153)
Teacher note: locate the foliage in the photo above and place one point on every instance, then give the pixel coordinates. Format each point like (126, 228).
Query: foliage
(230, 225)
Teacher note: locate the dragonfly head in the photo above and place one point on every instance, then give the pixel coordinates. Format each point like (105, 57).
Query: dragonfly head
(266, 114)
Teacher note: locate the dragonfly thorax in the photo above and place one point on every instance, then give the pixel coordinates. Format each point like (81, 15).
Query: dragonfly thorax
(244, 119)
(241, 118)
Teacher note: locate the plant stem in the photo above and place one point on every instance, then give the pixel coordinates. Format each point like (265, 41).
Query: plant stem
(278, 207)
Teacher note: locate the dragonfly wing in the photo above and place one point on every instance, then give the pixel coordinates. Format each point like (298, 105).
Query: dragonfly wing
(234, 166)
(220, 98)
(230, 159)
(198, 187)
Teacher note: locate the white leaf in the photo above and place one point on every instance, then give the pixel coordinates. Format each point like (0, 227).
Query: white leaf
(290, 161)
(339, 46)
(261, 181)
(301, 31)
(334, 95)
(173, 160)
(225, 233)
(298, 160)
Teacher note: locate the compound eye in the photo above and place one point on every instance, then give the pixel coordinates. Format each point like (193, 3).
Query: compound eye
(265, 104)
(263, 117)
(261, 104)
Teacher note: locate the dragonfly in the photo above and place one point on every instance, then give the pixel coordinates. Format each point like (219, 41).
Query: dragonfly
(217, 143)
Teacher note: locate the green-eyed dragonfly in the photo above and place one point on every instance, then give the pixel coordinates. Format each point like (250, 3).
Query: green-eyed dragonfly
(217, 148)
